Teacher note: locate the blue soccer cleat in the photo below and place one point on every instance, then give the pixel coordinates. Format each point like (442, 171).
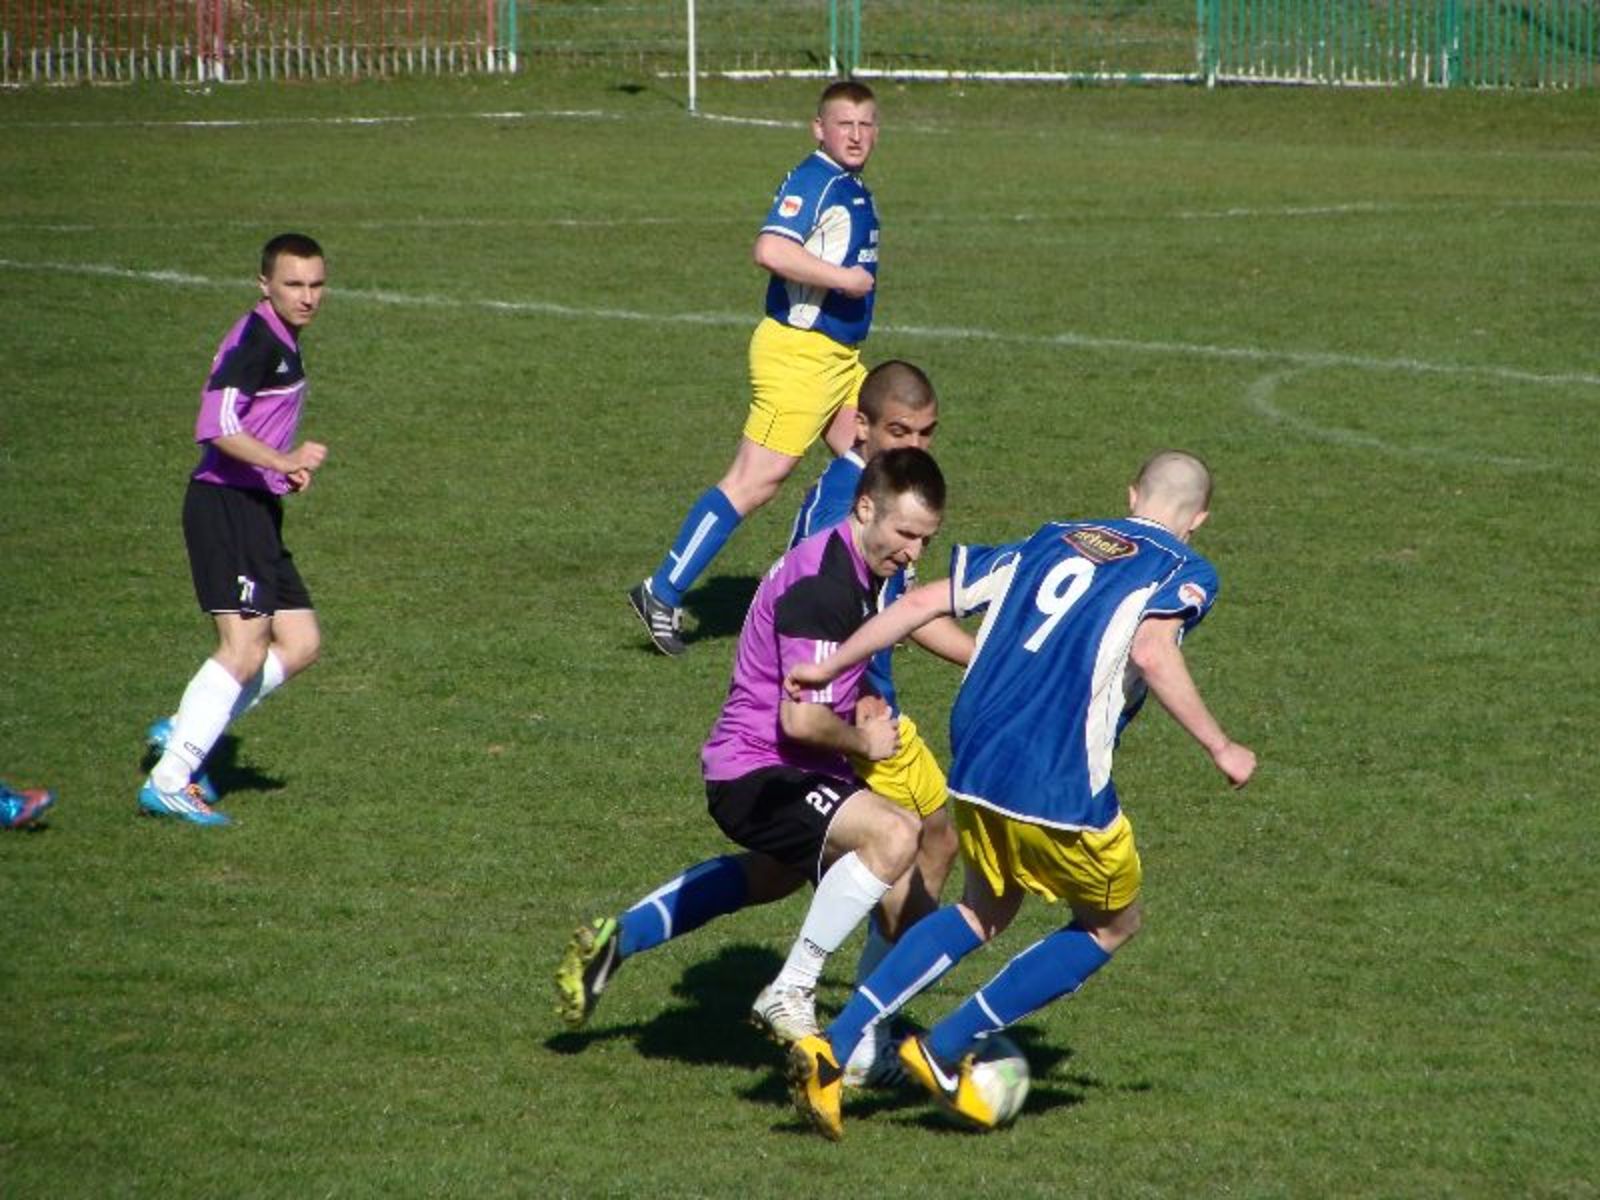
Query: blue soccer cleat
(188, 803)
(157, 737)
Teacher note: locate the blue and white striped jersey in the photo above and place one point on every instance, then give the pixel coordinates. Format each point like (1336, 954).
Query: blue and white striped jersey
(829, 211)
(1050, 687)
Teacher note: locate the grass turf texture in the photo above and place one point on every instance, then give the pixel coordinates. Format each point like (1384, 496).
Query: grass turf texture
(1371, 974)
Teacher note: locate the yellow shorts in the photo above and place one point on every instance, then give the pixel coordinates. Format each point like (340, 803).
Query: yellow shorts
(1085, 868)
(912, 778)
(798, 380)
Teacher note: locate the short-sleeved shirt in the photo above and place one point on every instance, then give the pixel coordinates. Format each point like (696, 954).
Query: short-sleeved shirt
(257, 386)
(813, 598)
(829, 211)
(828, 502)
(1050, 686)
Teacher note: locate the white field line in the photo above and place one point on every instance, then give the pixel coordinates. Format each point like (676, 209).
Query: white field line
(1261, 398)
(258, 122)
(394, 223)
(1077, 218)
(1300, 359)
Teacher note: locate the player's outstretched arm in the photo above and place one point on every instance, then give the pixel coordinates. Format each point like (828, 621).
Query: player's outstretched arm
(783, 256)
(1159, 657)
(948, 640)
(912, 611)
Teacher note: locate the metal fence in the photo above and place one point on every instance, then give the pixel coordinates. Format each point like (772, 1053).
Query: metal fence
(214, 40)
(1473, 43)
(1476, 43)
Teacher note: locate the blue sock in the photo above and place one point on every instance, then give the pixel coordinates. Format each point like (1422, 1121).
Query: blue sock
(924, 952)
(1045, 971)
(710, 523)
(706, 890)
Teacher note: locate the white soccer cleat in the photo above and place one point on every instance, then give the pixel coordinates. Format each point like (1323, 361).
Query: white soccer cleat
(785, 1014)
(874, 1062)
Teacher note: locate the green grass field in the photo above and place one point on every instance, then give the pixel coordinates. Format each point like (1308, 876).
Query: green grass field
(1375, 972)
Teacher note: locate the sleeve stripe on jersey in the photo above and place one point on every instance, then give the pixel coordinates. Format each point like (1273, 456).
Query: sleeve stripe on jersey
(229, 416)
(785, 232)
(820, 651)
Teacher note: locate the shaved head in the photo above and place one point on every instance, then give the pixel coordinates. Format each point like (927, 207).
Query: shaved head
(894, 382)
(1174, 488)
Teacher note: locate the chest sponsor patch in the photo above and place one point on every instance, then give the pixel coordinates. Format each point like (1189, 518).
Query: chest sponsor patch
(790, 206)
(1193, 595)
(1100, 545)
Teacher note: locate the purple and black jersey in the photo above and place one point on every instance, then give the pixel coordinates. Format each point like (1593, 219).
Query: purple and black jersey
(257, 386)
(813, 598)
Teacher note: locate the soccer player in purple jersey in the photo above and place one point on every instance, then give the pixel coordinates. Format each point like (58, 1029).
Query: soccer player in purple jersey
(777, 776)
(819, 245)
(1081, 621)
(243, 574)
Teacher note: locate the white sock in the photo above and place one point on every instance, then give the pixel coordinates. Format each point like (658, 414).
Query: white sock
(203, 713)
(847, 893)
(874, 952)
(267, 680)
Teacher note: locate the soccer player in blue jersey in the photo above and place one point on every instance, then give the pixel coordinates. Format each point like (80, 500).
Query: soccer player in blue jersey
(820, 245)
(1081, 620)
(243, 574)
(777, 770)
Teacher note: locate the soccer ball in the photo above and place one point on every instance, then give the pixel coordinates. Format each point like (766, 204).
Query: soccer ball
(1000, 1074)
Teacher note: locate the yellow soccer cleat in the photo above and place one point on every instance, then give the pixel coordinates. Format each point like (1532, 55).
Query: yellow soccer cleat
(816, 1083)
(586, 967)
(955, 1091)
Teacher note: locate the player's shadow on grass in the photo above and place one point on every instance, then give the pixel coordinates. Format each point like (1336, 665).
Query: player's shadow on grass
(718, 606)
(225, 770)
(708, 1024)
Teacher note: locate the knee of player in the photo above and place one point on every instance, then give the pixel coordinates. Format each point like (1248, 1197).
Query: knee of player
(1119, 928)
(898, 836)
(243, 660)
(299, 651)
(308, 652)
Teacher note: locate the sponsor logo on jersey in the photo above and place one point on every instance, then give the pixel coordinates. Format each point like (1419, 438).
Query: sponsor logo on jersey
(1193, 595)
(790, 206)
(868, 255)
(1099, 545)
(283, 367)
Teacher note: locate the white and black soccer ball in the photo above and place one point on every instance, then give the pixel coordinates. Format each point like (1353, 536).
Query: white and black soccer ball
(1000, 1073)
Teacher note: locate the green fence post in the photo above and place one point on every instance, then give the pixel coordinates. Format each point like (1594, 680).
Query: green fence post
(1205, 40)
(1450, 43)
(833, 37)
(508, 35)
(855, 38)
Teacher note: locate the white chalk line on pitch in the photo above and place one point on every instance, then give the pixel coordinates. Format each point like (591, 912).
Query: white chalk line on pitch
(585, 114)
(1075, 218)
(1299, 359)
(1261, 398)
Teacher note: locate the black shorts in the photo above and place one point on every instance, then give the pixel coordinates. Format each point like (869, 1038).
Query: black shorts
(780, 811)
(236, 551)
